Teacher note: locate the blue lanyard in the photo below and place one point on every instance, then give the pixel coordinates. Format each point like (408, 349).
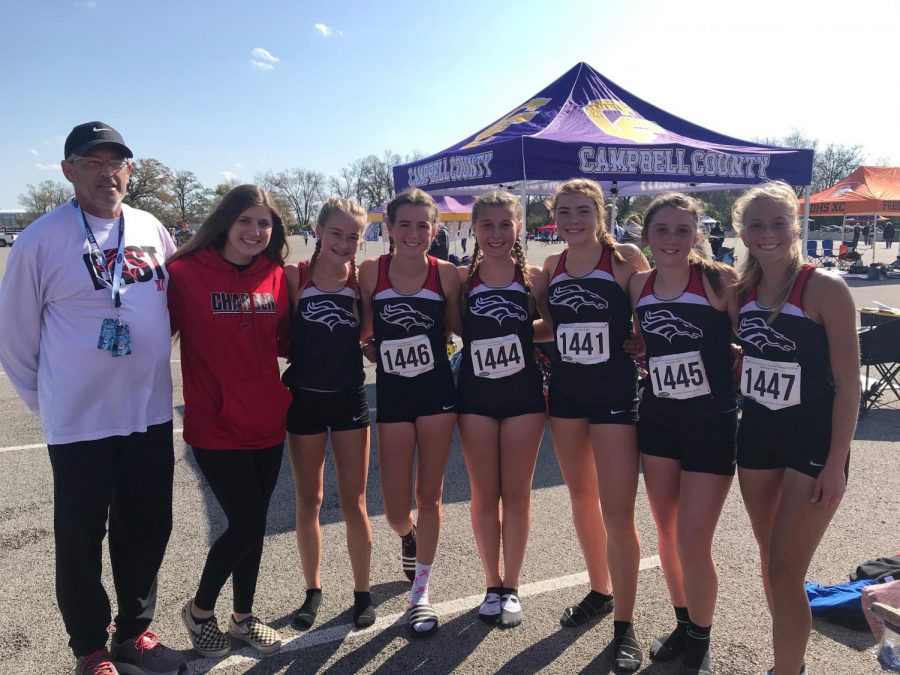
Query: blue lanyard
(112, 281)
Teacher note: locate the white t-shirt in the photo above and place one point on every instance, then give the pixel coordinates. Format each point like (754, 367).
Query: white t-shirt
(51, 311)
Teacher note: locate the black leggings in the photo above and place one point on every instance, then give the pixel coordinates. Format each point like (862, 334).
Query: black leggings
(243, 482)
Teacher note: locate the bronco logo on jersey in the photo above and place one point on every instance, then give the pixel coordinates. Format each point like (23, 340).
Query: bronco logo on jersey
(401, 314)
(761, 335)
(574, 296)
(617, 119)
(663, 322)
(328, 313)
(497, 307)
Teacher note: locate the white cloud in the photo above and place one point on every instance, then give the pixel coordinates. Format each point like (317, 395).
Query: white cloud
(327, 31)
(238, 165)
(33, 151)
(228, 177)
(48, 167)
(263, 59)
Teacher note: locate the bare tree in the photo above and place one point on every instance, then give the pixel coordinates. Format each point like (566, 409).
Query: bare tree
(377, 179)
(834, 163)
(45, 196)
(189, 198)
(348, 183)
(303, 190)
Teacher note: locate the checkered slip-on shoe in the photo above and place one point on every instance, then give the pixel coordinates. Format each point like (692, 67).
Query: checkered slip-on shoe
(255, 633)
(206, 637)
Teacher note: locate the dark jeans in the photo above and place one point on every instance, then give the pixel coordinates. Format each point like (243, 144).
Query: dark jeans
(243, 482)
(127, 479)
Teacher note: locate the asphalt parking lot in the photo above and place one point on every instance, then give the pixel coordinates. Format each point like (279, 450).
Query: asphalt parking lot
(32, 638)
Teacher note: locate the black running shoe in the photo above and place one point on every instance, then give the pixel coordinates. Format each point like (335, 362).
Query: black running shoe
(628, 653)
(669, 646)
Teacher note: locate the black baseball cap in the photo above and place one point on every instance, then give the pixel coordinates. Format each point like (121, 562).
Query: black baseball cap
(91, 134)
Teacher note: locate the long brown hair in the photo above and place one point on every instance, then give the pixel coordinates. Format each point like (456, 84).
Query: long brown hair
(751, 272)
(593, 191)
(710, 269)
(214, 230)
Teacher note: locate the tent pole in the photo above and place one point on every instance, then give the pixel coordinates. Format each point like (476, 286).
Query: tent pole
(806, 195)
(523, 235)
(613, 195)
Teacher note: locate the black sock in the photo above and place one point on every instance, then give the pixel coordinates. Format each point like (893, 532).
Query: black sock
(363, 609)
(623, 629)
(306, 615)
(672, 645)
(410, 536)
(595, 599)
(696, 645)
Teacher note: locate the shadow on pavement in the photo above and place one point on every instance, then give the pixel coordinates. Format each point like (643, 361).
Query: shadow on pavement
(879, 424)
(854, 639)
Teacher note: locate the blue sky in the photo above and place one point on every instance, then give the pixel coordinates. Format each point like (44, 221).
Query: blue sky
(186, 83)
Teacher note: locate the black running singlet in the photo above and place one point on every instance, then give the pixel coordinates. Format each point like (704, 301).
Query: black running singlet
(325, 351)
(591, 320)
(409, 329)
(688, 347)
(786, 364)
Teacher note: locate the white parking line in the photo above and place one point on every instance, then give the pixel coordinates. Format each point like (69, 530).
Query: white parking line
(248, 657)
(36, 446)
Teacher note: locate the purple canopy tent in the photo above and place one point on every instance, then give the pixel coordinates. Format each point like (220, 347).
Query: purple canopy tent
(583, 125)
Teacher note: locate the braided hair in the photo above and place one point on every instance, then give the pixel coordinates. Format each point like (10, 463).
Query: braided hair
(332, 206)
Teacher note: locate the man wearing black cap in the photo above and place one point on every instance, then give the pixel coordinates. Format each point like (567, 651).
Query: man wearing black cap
(85, 341)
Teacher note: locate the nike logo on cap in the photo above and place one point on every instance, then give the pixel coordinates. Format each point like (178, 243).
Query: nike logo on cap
(95, 129)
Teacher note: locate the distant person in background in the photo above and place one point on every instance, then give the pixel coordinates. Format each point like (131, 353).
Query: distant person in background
(888, 234)
(716, 238)
(463, 238)
(856, 233)
(440, 245)
(183, 234)
(865, 235)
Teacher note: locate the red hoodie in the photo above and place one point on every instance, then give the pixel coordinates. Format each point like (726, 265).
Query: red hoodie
(233, 324)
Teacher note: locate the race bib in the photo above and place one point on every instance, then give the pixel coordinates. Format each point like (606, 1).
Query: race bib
(583, 343)
(678, 376)
(774, 384)
(408, 357)
(497, 357)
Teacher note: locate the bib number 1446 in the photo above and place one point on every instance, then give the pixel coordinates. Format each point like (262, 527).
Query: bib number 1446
(409, 357)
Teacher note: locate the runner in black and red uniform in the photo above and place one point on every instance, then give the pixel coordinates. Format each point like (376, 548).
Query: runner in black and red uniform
(593, 404)
(800, 380)
(688, 416)
(502, 412)
(409, 302)
(326, 379)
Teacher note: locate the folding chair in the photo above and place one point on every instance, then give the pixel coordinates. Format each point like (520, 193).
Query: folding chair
(879, 348)
(812, 252)
(828, 257)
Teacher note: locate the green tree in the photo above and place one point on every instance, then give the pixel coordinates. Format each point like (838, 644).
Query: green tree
(190, 199)
(150, 188)
(45, 196)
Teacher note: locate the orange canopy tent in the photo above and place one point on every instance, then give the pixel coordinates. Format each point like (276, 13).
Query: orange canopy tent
(868, 190)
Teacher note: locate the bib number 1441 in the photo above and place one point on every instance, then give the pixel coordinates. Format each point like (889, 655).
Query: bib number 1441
(584, 343)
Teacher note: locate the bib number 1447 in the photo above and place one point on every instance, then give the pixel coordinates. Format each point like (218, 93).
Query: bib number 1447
(774, 384)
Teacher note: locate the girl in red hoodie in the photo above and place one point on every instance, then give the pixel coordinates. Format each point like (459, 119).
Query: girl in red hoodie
(228, 299)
